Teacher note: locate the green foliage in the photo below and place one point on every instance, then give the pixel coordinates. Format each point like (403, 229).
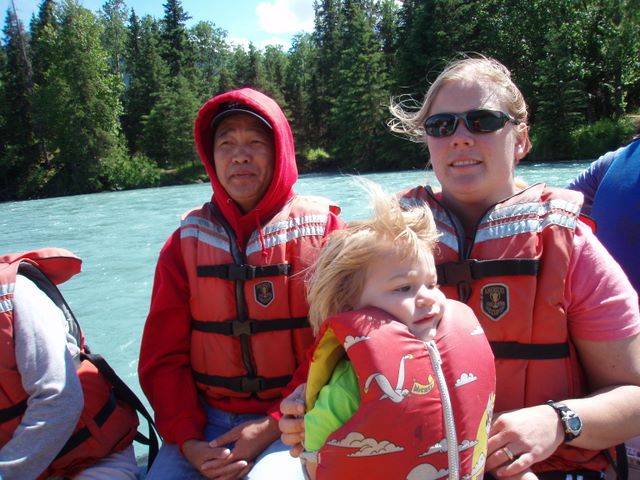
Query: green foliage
(147, 73)
(314, 159)
(122, 172)
(177, 47)
(591, 141)
(357, 116)
(113, 16)
(78, 101)
(298, 78)
(20, 154)
(168, 129)
(211, 55)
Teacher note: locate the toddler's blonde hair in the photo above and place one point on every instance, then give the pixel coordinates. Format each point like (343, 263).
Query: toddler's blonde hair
(338, 275)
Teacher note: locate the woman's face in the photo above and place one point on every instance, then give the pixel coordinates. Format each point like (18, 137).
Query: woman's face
(475, 168)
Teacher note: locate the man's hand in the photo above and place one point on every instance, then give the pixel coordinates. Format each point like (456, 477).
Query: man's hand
(292, 423)
(202, 455)
(251, 439)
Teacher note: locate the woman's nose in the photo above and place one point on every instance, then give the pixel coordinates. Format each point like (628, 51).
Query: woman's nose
(461, 136)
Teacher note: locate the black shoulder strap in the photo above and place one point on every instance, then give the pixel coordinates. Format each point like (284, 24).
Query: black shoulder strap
(43, 282)
(121, 389)
(125, 394)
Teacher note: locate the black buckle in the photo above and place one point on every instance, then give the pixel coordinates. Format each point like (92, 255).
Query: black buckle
(252, 384)
(458, 272)
(241, 272)
(241, 328)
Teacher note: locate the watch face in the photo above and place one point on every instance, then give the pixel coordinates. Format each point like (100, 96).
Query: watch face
(574, 424)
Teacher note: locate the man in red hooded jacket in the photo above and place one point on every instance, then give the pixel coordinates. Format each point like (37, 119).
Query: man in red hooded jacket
(227, 326)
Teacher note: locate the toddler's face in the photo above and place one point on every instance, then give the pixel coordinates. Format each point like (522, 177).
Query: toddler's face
(407, 289)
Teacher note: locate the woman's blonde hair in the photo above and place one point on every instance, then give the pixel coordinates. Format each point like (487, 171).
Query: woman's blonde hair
(338, 276)
(409, 116)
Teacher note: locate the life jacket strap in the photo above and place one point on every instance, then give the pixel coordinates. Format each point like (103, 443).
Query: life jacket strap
(236, 327)
(530, 351)
(13, 411)
(83, 434)
(453, 273)
(233, 271)
(125, 394)
(242, 384)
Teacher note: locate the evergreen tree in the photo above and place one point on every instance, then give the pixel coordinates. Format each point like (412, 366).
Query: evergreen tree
(326, 81)
(416, 45)
(611, 55)
(254, 75)
(239, 68)
(177, 48)
(21, 168)
(387, 30)
(79, 102)
(358, 115)
(3, 115)
(630, 51)
(298, 78)
(560, 91)
(114, 36)
(43, 29)
(147, 73)
(168, 129)
(211, 54)
(274, 64)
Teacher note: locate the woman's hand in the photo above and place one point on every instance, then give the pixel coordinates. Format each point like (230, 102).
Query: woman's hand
(520, 438)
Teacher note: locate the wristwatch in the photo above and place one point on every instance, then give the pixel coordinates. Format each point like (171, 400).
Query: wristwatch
(570, 420)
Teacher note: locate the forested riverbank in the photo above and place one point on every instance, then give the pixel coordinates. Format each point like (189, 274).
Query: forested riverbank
(93, 101)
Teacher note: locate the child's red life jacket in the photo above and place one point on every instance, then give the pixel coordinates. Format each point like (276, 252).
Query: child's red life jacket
(418, 398)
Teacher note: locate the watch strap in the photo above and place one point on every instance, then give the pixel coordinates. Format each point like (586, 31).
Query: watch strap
(565, 414)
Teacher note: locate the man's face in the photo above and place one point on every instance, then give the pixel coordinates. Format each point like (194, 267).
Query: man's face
(243, 156)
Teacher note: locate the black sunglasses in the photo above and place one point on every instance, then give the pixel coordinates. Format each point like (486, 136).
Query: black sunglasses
(476, 121)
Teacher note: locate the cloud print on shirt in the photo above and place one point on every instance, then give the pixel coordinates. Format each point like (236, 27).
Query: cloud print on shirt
(367, 446)
(465, 378)
(350, 341)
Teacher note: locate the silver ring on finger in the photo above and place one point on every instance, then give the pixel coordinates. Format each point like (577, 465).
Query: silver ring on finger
(507, 451)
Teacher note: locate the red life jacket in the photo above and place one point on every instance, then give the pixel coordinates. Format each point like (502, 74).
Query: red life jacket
(417, 398)
(513, 277)
(106, 424)
(250, 329)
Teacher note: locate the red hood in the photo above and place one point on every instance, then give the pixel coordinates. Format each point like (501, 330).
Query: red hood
(285, 172)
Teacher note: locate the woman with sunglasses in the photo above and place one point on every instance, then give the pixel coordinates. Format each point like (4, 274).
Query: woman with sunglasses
(561, 315)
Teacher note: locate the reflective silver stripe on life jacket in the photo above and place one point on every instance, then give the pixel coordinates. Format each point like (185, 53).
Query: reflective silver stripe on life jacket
(282, 232)
(196, 227)
(203, 223)
(445, 228)
(6, 304)
(207, 238)
(508, 221)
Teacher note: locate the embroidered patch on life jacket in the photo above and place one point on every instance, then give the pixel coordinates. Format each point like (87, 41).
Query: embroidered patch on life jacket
(263, 292)
(494, 299)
